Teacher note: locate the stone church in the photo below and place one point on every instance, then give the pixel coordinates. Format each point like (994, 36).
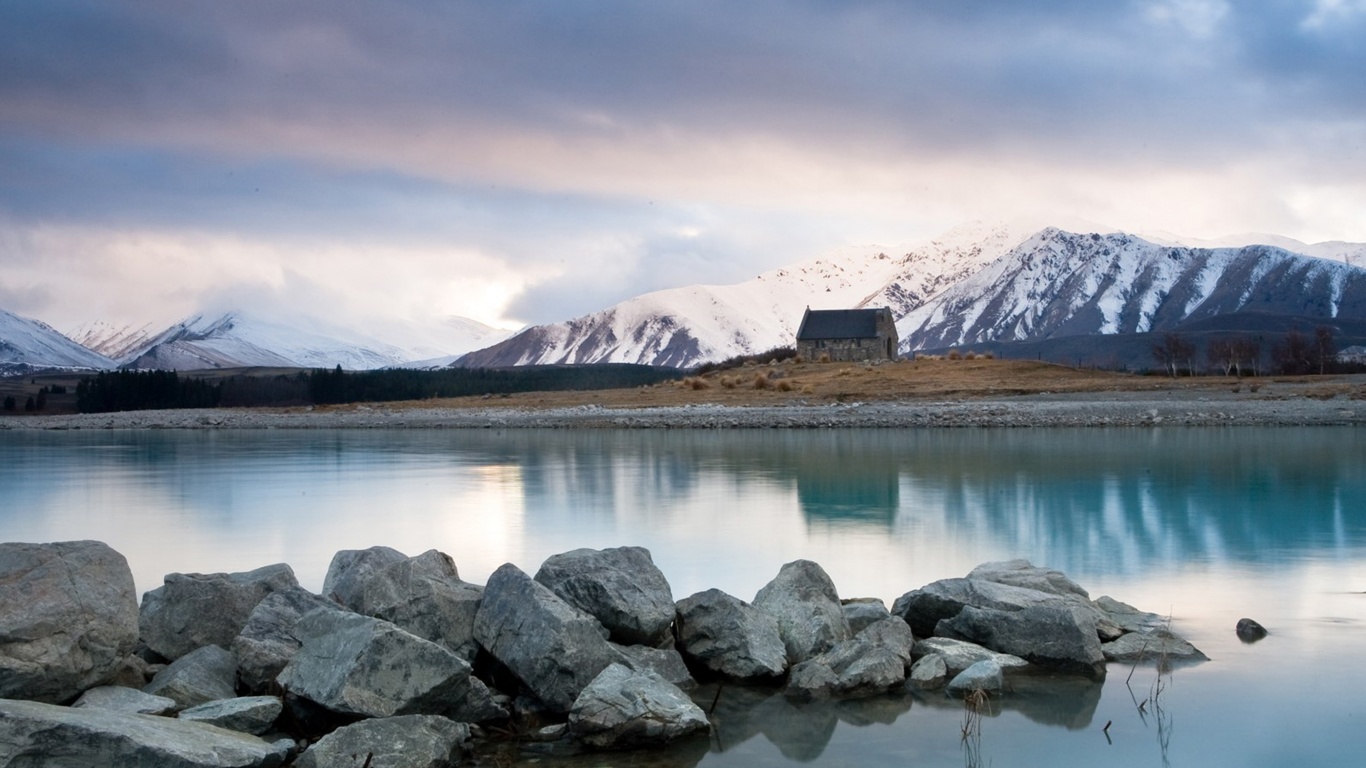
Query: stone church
(847, 335)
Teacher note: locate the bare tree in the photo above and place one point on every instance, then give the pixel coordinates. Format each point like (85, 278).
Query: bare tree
(1220, 356)
(1247, 351)
(1325, 350)
(1172, 352)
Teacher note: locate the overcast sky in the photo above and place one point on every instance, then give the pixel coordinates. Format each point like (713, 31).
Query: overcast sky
(519, 162)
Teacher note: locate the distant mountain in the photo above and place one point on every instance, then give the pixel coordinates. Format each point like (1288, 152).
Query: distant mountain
(28, 344)
(974, 285)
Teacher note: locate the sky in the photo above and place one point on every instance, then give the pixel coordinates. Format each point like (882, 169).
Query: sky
(525, 162)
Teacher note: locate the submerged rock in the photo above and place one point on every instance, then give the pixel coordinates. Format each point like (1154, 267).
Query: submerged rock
(68, 618)
(34, 734)
(1157, 645)
(619, 587)
(804, 602)
(407, 741)
(554, 648)
(730, 637)
(984, 676)
(424, 594)
(192, 610)
(624, 708)
(1250, 631)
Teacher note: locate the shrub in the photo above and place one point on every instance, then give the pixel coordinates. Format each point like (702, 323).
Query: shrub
(761, 381)
(825, 357)
(955, 354)
(784, 386)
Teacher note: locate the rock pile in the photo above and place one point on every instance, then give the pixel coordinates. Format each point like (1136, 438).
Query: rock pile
(398, 662)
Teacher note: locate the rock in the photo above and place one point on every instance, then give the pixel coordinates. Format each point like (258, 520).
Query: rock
(34, 734)
(123, 699)
(133, 672)
(958, 655)
(873, 661)
(730, 637)
(1054, 637)
(267, 641)
(1159, 645)
(247, 714)
(192, 610)
(624, 708)
(1250, 631)
(203, 675)
(424, 594)
(861, 612)
(68, 618)
(1127, 617)
(666, 662)
(985, 675)
(924, 608)
(1020, 573)
(929, 672)
(807, 608)
(619, 587)
(552, 647)
(409, 741)
(479, 705)
(359, 665)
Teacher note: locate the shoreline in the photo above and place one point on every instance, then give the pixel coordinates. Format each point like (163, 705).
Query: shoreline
(1107, 409)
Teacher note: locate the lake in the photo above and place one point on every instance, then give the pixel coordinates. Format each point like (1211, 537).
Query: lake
(1206, 525)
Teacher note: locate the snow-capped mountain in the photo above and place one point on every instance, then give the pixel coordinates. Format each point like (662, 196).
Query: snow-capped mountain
(112, 341)
(975, 284)
(26, 344)
(239, 339)
(1065, 284)
(686, 326)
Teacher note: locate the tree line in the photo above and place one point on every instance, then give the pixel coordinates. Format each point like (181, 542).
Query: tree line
(1295, 353)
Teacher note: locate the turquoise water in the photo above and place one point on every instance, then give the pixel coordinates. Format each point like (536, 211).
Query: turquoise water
(1207, 525)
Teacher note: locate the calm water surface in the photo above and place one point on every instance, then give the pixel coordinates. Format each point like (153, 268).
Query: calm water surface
(1208, 525)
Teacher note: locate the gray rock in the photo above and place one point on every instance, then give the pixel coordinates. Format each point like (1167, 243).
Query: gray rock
(730, 637)
(34, 734)
(1054, 637)
(267, 641)
(123, 699)
(478, 705)
(1127, 617)
(192, 610)
(985, 675)
(133, 672)
(873, 661)
(624, 708)
(409, 741)
(1020, 573)
(1249, 631)
(958, 655)
(620, 587)
(203, 675)
(861, 612)
(359, 665)
(424, 594)
(68, 618)
(554, 648)
(666, 662)
(803, 600)
(247, 714)
(929, 673)
(924, 608)
(1157, 645)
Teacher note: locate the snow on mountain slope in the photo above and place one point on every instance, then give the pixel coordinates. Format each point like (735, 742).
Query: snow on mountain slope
(1353, 254)
(112, 341)
(28, 343)
(1060, 283)
(686, 326)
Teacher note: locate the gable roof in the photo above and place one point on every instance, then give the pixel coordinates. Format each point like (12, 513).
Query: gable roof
(839, 324)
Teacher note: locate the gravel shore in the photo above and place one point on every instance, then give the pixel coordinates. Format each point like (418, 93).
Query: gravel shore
(1070, 410)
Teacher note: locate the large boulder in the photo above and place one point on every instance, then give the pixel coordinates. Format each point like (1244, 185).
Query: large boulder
(620, 587)
(1158, 645)
(267, 641)
(422, 594)
(1021, 573)
(730, 637)
(248, 714)
(1054, 637)
(924, 608)
(408, 741)
(873, 661)
(33, 734)
(554, 648)
(359, 665)
(803, 600)
(1127, 617)
(624, 708)
(203, 675)
(68, 617)
(192, 610)
(862, 612)
(666, 662)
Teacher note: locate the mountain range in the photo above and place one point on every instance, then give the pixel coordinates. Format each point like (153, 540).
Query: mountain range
(984, 285)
